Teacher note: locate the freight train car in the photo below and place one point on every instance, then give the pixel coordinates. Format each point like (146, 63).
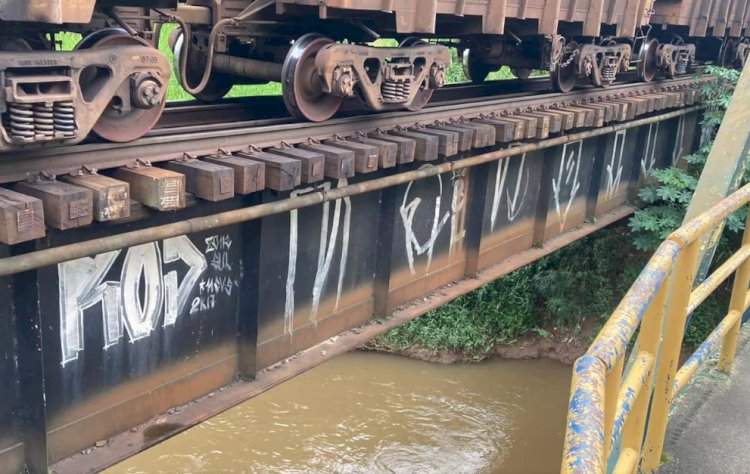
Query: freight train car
(114, 82)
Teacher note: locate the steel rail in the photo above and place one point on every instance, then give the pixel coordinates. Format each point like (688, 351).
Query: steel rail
(183, 113)
(61, 160)
(52, 256)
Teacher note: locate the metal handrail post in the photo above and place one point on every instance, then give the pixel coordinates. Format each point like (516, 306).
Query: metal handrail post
(611, 390)
(736, 303)
(682, 283)
(648, 340)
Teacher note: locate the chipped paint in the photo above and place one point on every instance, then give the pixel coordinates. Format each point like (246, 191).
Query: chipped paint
(611, 342)
(702, 291)
(634, 381)
(704, 351)
(584, 434)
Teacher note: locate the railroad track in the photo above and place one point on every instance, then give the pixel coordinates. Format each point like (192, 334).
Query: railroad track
(182, 159)
(241, 110)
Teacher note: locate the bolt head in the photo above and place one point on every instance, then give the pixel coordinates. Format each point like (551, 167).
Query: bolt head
(344, 84)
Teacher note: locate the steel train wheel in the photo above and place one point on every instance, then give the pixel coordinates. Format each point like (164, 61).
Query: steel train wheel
(475, 69)
(116, 124)
(647, 67)
(521, 73)
(425, 93)
(565, 76)
(218, 84)
(301, 85)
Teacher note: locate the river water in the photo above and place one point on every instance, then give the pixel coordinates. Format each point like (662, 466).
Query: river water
(367, 412)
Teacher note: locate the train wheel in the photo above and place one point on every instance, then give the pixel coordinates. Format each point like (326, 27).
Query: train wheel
(565, 76)
(119, 123)
(425, 93)
(521, 73)
(301, 85)
(647, 66)
(475, 69)
(218, 85)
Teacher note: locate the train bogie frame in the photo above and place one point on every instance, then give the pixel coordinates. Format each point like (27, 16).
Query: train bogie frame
(321, 51)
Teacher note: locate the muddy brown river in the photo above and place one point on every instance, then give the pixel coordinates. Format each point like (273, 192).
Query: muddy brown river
(367, 412)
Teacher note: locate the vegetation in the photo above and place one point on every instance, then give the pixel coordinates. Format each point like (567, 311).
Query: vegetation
(584, 280)
(667, 196)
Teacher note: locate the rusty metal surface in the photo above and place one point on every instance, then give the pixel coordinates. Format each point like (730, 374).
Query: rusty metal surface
(313, 261)
(68, 94)
(306, 310)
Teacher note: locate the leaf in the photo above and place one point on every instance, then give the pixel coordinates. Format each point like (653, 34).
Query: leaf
(648, 194)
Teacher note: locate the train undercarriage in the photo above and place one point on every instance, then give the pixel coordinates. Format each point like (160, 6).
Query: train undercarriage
(114, 83)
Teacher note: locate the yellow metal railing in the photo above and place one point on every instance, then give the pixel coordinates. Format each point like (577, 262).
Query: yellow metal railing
(607, 407)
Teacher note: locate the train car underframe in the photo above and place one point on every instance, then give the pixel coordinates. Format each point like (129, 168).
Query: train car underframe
(568, 59)
(114, 84)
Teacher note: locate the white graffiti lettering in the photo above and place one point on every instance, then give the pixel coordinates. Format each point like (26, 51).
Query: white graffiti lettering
(567, 179)
(328, 244)
(143, 292)
(679, 141)
(614, 167)
(514, 206)
(176, 296)
(649, 158)
(407, 211)
(458, 204)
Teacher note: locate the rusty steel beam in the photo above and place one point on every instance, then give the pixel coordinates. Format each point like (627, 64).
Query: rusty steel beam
(52, 256)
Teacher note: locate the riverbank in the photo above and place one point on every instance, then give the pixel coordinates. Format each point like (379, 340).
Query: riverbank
(550, 309)
(551, 343)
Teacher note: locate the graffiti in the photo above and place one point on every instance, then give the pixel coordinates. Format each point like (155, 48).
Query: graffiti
(649, 157)
(567, 179)
(679, 141)
(614, 167)
(146, 289)
(221, 282)
(407, 211)
(458, 204)
(514, 206)
(328, 241)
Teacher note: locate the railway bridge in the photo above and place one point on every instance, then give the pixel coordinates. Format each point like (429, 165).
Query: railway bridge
(218, 253)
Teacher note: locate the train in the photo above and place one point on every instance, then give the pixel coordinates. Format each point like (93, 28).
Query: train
(114, 82)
